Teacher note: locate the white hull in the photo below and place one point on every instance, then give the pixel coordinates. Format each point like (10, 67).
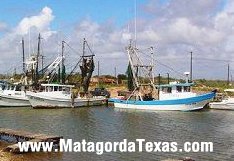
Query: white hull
(41, 102)
(179, 107)
(222, 106)
(14, 101)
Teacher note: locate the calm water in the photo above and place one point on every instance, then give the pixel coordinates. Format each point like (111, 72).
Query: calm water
(109, 124)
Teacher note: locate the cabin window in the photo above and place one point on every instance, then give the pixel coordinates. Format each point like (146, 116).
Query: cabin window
(178, 88)
(12, 87)
(166, 89)
(18, 88)
(55, 88)
(66, 90)
(49, 89)
(3, 87)
(60, 88)
(186, 88)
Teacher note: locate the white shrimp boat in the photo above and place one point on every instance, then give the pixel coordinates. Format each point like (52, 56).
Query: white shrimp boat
(60, 96)
(227, 103)
(173, 96)
(13, 96)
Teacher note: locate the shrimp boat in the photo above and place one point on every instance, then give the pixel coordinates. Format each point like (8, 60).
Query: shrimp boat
(54, 95)
(60, 96)
(227, 103)
(148, 96)
(13, 95)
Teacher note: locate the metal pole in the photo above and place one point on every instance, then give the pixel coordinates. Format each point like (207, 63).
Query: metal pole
(116, 76)
(152, 64)
(37, 57)
(228, 79)
(98, 75)
(62, 64)
(84, 46)
(42, 61)
(191, 67)
(159, 82)
(23, 56)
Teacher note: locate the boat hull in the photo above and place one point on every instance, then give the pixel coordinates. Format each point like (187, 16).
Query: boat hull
(186, 104)
(11, 101)
(222, 106)
(42, 102)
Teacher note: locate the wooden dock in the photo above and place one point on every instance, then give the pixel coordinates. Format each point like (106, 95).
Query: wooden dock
(15, 136)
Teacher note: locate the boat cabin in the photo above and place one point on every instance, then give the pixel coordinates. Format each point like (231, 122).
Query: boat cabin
(57, 88)
(17, 90)
(175, 90)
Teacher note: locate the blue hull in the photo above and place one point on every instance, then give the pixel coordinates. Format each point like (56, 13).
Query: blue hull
(191, 103)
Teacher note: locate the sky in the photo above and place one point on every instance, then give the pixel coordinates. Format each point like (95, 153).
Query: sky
(173, 27)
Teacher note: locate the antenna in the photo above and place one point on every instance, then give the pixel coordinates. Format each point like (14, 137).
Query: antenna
(135, 22)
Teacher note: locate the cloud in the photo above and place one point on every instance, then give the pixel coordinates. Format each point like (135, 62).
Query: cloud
(174, 28)
(3, 27)
(181, 26)
(10, 42)
(40, 22)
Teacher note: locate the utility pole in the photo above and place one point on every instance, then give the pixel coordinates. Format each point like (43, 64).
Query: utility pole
(228, 79)
(231, 79)
(98, 74)
(116, 76)
(159, 83)
(191, 66)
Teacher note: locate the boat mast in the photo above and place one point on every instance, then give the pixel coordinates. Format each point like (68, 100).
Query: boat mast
(62, 65)
(130, 51)
(87, 67)
(135, 25)
(23, 56)
(37, 58)
(152, 63)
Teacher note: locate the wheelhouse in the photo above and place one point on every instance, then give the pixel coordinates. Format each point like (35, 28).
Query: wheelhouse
(57, 88)
(175, 87)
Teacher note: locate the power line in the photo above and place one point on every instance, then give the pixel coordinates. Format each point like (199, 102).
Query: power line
(209, 59)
